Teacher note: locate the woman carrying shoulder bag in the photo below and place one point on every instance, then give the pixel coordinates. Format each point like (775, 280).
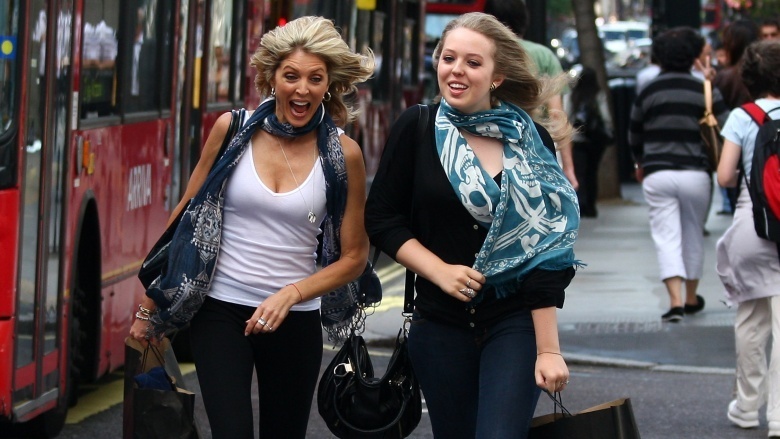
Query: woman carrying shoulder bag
(289, 174)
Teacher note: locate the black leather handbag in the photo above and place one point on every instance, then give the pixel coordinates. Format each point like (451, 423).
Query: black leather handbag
(356, 404)
(156, 261)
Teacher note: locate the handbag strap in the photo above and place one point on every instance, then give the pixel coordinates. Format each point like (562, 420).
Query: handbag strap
(422, 131)
(707, 97)
(236, 120)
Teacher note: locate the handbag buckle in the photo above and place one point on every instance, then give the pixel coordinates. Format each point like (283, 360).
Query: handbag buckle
(347, 369)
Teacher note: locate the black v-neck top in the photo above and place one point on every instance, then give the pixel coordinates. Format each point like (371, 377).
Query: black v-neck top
(411, 197)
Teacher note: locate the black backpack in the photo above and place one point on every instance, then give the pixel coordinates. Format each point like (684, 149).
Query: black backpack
(764, 186)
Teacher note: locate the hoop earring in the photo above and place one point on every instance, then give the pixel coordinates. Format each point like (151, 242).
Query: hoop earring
(493, 86)
(327, 97)
(273, 92)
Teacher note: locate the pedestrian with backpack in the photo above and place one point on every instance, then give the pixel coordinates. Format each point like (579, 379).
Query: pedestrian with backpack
(747, 263)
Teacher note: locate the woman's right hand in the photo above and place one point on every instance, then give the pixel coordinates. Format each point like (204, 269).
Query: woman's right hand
(140, 331)
(459, 281)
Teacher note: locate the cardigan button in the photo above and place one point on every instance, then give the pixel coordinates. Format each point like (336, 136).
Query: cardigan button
(472, 311)
(476, 226)
(471, 324)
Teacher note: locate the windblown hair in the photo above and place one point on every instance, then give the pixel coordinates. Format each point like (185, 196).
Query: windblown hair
(520, 86)
(737, 36)
(316, 36)
(759, 68)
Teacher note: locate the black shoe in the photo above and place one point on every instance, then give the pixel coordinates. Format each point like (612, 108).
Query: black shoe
(693, 309)
(674, 315)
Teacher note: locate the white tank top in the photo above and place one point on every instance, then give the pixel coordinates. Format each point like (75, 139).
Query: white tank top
(267, 239)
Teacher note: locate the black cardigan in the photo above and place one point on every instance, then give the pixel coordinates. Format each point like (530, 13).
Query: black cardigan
(410, 179)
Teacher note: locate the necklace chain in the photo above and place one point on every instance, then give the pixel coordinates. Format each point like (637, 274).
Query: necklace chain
(311, 217)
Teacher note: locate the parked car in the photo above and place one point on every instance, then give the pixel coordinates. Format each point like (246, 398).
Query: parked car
(625, 43)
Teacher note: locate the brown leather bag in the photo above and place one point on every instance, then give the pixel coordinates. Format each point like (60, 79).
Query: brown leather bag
(710, 131)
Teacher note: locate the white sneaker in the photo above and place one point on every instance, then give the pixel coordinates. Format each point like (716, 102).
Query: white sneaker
(743, 419)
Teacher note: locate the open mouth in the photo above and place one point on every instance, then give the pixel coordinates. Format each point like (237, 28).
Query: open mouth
(299, 109)
(457, 88)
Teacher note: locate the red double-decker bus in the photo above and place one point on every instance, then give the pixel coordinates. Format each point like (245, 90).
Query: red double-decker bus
(104, 106)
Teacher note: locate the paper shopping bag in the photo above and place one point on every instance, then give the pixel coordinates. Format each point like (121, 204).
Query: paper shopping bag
(611, 420)
(156, 407)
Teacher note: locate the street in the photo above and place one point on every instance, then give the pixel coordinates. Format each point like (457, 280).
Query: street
(680, 377)
(667, 405)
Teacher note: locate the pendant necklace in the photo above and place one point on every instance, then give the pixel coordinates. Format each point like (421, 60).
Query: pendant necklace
(312, 217)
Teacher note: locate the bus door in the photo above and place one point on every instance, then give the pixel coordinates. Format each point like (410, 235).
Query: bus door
(222, 37)
(43, 133)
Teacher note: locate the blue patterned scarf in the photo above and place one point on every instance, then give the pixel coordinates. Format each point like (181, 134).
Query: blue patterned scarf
(180, 291)
(533, 217)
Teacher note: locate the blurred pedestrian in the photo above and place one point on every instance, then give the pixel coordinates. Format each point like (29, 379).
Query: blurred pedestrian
(748, 265)
(588, 112)
(290, 174)
(481, 211)
(514, 14)
(736, 37)
(647, 74)
(770, 29)
(673, 167)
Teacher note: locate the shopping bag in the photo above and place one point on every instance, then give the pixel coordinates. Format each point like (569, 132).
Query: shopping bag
(611, 420)
(155, 406)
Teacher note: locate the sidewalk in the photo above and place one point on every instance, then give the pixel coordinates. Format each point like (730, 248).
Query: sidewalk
(612, 314)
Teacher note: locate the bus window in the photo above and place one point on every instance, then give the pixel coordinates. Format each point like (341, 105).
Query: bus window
(146, 40)
(98, 59)
(220, 43)
(9, 51)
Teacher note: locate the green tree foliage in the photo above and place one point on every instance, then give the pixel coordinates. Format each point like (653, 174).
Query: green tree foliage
(562, 8)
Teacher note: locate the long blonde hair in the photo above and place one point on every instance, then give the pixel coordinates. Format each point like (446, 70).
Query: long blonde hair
(316, 36)
(521, 86)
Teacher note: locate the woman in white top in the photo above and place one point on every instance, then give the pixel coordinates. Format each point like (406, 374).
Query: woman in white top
(748, 265)
(261, 314)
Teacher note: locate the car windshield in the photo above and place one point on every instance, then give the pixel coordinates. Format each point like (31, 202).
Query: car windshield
(614, 35)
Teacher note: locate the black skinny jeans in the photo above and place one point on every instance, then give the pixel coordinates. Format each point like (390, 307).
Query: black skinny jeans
(287, 363)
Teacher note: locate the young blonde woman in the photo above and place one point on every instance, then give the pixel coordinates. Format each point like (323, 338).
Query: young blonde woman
(480, 209)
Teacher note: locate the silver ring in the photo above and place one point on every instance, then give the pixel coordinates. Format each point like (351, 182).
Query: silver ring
(468, 284)
(261, 321)
(468, 292)
(270, 328)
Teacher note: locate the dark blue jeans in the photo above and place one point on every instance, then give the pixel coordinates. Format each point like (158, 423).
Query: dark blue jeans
(477, 383)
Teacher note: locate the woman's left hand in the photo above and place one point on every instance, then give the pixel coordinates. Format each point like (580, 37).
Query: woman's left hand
(551, 372)
(270, 314)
